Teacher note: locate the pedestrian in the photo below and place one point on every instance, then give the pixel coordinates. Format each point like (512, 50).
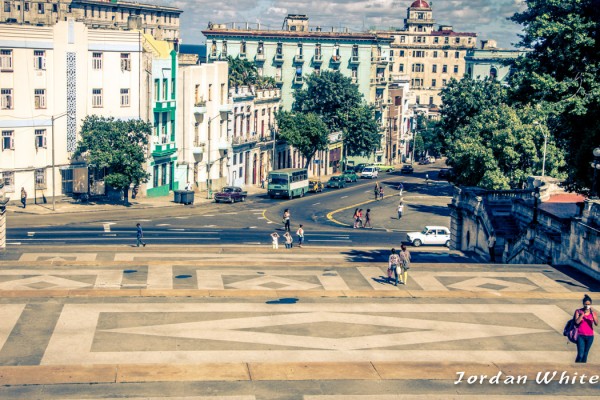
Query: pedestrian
(400, 209)
(400, 188)
(427, 179)
(275, 237)
(376, 191)
(355, 218)
(368, 218)
(359, 219)
(491, 247)
(585, 319)
(289, 241)
(140, 235)
(393, 266)
(286, 219)
(300, 233)
(23, 197)
(188, 186)
(381, 193)
(262, 183)
(404, 263)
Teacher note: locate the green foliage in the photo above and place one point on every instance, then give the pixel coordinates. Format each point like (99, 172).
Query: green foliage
(244, 73)
(116, 145)
(362, 135)
(430, 138)
(305, 131)
(560, 75)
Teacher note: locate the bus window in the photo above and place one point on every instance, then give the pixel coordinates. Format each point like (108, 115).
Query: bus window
(278, 179)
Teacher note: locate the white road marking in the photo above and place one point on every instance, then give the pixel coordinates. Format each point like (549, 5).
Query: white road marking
(144, 220)
(110, 234)
(261, 218)
(182, 217)
(163, 224)
(30, 234)
(329, 240)
(343, 197)
(251, 227)
(109, 238)
(208, 215)
(14, 243)
(176, 229)
(316, 204)
(107, 225)
(9, 315)
(252, 243)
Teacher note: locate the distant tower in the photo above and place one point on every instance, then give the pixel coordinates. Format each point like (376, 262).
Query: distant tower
(296, 22)
(419, 17)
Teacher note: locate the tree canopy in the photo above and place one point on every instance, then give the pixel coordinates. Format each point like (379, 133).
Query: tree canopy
(362, 131)
(244, 73)
(305, 131)
(117, 145)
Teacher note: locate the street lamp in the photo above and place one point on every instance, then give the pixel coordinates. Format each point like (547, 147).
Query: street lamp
(223, 113)
(274, 132)
(54, 118)
(596, 165)
(545, 132)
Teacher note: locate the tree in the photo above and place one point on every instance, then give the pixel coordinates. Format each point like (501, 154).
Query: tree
(362, 135)
(560, 75)
(341, 106)
(244, 73)
(118, 146)
(306, 132)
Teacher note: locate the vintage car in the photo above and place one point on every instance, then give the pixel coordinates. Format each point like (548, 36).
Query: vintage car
(370, 172)
(337, 181)
(385, 168)
(315, 185)
(230, 194)
(350, 176)
(407, 169)
(437, 235)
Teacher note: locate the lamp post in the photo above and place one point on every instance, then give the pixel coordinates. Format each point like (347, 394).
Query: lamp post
(223, 114)
(596, 165)
(274, 132)
(54, 118)
(536, 197)
(545, 133)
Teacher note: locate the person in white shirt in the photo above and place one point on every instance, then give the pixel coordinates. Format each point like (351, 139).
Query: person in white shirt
(300, 233)
(400, 209)
(275, 237)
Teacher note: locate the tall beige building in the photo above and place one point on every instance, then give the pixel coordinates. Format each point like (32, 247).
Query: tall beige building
(430, 57)
(162, 22)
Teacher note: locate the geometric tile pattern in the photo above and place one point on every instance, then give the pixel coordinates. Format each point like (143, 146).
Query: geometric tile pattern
(9, 315)
(477, 281)
(269, 279)
(54, 279)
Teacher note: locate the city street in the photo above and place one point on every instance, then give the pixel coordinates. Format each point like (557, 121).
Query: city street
(327, 218)
(225, 323)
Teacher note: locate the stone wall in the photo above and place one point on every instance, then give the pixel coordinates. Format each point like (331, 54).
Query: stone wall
(581, 248)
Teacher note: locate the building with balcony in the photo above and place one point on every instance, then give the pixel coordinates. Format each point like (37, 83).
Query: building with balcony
(162, 22)
(161, 80)
(490, 61)
(51, 78)
(430, 55)
(203, 133)
(398, 133)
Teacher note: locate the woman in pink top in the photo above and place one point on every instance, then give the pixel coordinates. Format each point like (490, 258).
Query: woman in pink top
(585, 318)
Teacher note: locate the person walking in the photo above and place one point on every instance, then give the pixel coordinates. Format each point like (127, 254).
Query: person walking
(393, 266)
(286, 219)
(491, 247)
(400, 209)
(140, 235)
(300, 233)
(427, 179)
(585, 318)
(376, 191)
(23, 197)
(289, 241)
(275, 238)
(404, 263)
(262, 183)
(368, 218)
(355, 218)
(400, 188)
(381, 193)
(359, 219)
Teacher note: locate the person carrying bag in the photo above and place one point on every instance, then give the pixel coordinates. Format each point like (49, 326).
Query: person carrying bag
(405, 263)
(394, 266)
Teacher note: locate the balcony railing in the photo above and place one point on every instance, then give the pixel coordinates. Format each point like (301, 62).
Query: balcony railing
(245, 139)
(278, 58)
(336, 59)
(298, 58)
(259, 57)
(298, 80)
(354, 60)
(317, 58)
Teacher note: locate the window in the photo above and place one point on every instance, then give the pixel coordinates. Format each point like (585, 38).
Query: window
(9, 181)
(40, 7)
(40, 178)
(8, 141)
(401, 53)
(6, 99)
(446, 40)
(402, 39)
(435, 54)
(165, 86)
(418, 53)
(418, 68)
(434, 68)
(401, 68)
(210, 93)
(456, 69)
(39, 59)
(124, 97)
(457, 40)
(456, 54)
(433, 83)
(436, 40)
(444, 81)
(55, 8)
(243, 48)
(26, 8)
(40, 138)
(97, 98)
(39, 97)
(445, 54)
(6, 6)
(6, 59)
(97, 61)
(444, 69)
(125, 62)
(156, 89)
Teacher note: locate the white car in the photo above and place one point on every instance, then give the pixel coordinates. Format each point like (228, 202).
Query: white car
(439, 235)
(369, 172)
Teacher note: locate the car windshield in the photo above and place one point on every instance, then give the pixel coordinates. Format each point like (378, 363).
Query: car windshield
(227, 190)
(349, 172)
(335, 178)
(278, 179)
(424, 231)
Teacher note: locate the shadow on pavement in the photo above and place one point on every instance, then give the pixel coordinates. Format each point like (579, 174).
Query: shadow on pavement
(443, 211)
(289, 300)
(581, 280)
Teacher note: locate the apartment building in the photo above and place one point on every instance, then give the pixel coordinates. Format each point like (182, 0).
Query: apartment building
(162, 22)
(490, 61)
(51, 78)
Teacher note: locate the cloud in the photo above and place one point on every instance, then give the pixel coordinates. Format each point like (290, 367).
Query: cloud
(484, 17)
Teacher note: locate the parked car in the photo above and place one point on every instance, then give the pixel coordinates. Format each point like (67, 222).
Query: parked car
(230, 194)
(350, 176)
(407, 169)
(369, 172)
(358, 168)
(315, 185)
(445, 173)
(439, 235)
(336, 182)
(424, 161)
(385, 168)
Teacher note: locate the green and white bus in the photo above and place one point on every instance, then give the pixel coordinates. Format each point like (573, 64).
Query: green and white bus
(288, 183)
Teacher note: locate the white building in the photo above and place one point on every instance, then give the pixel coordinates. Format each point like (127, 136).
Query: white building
(51, 78)
(204, 142)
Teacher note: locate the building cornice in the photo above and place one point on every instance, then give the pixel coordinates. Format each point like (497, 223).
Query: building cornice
(316, 36)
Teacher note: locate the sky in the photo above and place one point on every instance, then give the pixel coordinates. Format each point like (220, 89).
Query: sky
(487, 18)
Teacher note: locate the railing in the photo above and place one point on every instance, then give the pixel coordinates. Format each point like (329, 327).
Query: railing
(245, 139)
(336, 59)
(354, 60)
(298, 58)
(318, 58)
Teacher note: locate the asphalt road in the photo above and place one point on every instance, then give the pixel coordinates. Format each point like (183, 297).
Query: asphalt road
(327, 218)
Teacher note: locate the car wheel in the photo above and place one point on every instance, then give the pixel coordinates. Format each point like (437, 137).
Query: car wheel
(417, 243)
(271, 196)
(243, 199)
(232, 200)
(447, 244)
